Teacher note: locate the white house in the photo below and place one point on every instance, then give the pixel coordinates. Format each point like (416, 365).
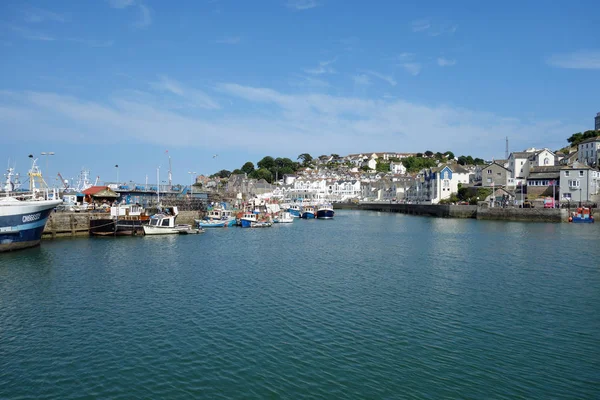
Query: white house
(436, 184)
(588, 151)
(397, 168)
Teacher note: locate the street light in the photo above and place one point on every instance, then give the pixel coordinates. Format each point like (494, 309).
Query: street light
(47, 153)
(191, 181)
(117, 167)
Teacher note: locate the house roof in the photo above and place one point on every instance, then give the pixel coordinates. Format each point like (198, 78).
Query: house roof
(520, 154)
(590, 140)
(496, 164)
(547, 172)
(96, 190)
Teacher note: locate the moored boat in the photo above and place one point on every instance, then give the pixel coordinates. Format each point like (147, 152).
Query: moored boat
(582, 215)
(124, 220)
(325, 211)
(284, 217)
(23, 215)
(295, 210)
(247, 219)
(308, 212)
(164, 224)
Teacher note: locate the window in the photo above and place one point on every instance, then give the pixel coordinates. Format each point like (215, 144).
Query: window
(580, 173)
(489, 180)
(573, 183)
(521, 162)
(567, 196)
(446, 183)
(489, 171)
(566, 173)
(546, 161)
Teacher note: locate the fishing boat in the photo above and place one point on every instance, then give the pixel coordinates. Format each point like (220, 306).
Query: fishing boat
(164, 224)
(325, 211)
(295, 210)
(124, 220)
(23, 215)
(261, 224)
(582, 215)
(214, 223)
(247, 218)
(308, 212)
(284, 217)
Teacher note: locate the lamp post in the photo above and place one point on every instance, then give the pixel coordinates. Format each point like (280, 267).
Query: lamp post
(158, 185)
(117, 167)
(47, 153)
(191, 181)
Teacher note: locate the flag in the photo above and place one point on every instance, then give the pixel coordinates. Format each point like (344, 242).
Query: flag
(551, 183)
(166, 151)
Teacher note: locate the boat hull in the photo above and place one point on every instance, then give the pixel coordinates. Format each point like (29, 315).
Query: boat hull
(106, 227)
(325, 214)
(246, 223)
(294, 213)
(22, 223)
(307, 215)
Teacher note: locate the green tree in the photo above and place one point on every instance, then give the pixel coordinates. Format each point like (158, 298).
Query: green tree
(449, 155)
(306, 159)
(237, 172)
(335, 156)
(478, 161)
(429, 153)
(248, 167)
(262, 173)
(267, 163)
(419, 155)
(382, 167)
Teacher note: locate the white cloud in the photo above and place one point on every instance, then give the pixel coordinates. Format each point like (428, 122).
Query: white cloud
(412, 68)
(301, 5)
(121, 3)
(582, 59)
(381, 76)
(445, 62)
(229, 40)
(192, 97)
(30, 34)
(421, 25)
(145, 18)
(323, 68)
(35, 15)
(276, 122)
(361, 79)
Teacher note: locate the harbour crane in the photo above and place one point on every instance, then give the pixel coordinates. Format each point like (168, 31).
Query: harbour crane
(64, 182)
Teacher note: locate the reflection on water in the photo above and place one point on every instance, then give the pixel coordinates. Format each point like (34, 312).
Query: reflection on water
(368, 305)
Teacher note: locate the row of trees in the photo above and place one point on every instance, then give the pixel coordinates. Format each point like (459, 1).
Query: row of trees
(269, 168)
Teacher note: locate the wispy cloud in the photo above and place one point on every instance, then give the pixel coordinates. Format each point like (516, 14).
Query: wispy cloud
(389, 79)
(229, 40)
(421, 25)
(144, 18)
(430, 28)
(92, 42)
(121, 3)
(407, 62)
(412, 68)
(342, 124)
(323, 68)
(361, 79)
(302, 5)
(581, 59)
(193, 97)
(30, 34)
(35, 15)
(445, 62)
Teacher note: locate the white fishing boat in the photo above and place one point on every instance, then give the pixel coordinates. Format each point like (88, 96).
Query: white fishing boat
(165, 224)
(23, 215)
(284, 217)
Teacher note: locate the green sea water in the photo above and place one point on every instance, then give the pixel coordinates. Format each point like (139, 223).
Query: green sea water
(365, 306)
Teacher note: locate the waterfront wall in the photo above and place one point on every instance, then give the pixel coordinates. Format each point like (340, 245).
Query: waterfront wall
(70, 224)
(443, 210)
(453, 211)
(524, 214)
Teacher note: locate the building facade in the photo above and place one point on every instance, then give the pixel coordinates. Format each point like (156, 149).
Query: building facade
(597, 122)
(578, 183)
(588, 151)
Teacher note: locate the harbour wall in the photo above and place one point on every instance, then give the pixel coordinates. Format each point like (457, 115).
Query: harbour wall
(71, 224)
(432, 210)
(465, 211)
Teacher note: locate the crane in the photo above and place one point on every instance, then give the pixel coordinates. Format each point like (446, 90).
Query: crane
(97, 178)
(64, 182)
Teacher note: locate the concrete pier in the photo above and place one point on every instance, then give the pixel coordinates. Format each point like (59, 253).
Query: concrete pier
(71, 224)
(466, 211)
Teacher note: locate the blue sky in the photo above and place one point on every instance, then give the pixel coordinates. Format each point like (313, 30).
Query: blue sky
(111, 82)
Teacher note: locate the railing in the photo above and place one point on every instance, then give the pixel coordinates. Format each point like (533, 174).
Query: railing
(37, 194)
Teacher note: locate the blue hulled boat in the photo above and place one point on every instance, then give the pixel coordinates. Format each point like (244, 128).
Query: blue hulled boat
(295, 210)
(308, 212)
(325, 211)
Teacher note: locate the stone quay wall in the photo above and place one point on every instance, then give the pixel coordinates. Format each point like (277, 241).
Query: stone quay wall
(72, 224)
(455, 211)
(432, 210)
